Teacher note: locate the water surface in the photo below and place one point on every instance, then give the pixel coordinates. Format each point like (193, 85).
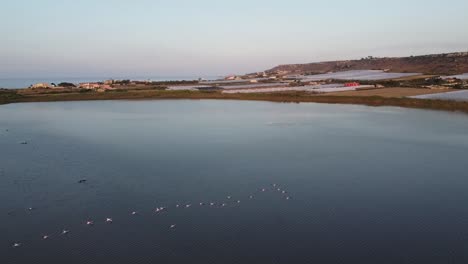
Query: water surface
(461, 95)
(367, 185)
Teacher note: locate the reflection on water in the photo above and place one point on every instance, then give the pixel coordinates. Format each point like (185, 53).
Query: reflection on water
(365, 185)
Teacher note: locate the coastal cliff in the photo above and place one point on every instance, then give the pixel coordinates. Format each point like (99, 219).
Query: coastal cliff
(438, 64)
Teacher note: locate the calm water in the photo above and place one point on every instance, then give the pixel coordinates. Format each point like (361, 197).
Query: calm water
(461, 95)
(463, 76)
(367, 185)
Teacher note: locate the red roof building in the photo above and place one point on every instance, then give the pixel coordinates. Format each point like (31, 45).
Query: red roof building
(351, 84)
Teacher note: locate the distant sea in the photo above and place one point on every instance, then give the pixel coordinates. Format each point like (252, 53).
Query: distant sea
(14, 83)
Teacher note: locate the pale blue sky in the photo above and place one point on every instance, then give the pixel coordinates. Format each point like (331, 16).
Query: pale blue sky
(70, 38)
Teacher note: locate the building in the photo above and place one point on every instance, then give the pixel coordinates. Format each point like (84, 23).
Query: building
(232, 78)
(352, 84)
(105, 88)
(41, 86)
(90, 86)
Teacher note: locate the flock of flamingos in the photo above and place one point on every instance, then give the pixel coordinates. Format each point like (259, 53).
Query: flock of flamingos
(110, 220)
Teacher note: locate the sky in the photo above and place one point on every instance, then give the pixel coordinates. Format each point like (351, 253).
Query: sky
(90, 38)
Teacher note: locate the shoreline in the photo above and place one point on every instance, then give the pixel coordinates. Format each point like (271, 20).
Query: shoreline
(287, 97)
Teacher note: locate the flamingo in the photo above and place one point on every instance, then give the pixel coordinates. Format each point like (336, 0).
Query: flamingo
(89, 222)
(109, 220)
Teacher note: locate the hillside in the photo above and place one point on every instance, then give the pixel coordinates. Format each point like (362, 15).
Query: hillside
(440, 64)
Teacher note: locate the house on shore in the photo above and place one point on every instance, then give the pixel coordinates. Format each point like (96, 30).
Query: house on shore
(99, 87)
(90, 86)
(42, 86)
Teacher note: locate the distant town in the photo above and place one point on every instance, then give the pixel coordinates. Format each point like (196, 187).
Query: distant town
(279, 81)
(368, 80)
(437, 71)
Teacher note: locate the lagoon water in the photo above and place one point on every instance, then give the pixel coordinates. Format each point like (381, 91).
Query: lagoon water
(367, 185)
(461, 95)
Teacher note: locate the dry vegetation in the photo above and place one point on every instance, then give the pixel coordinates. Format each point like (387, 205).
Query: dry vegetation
(439, 64)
